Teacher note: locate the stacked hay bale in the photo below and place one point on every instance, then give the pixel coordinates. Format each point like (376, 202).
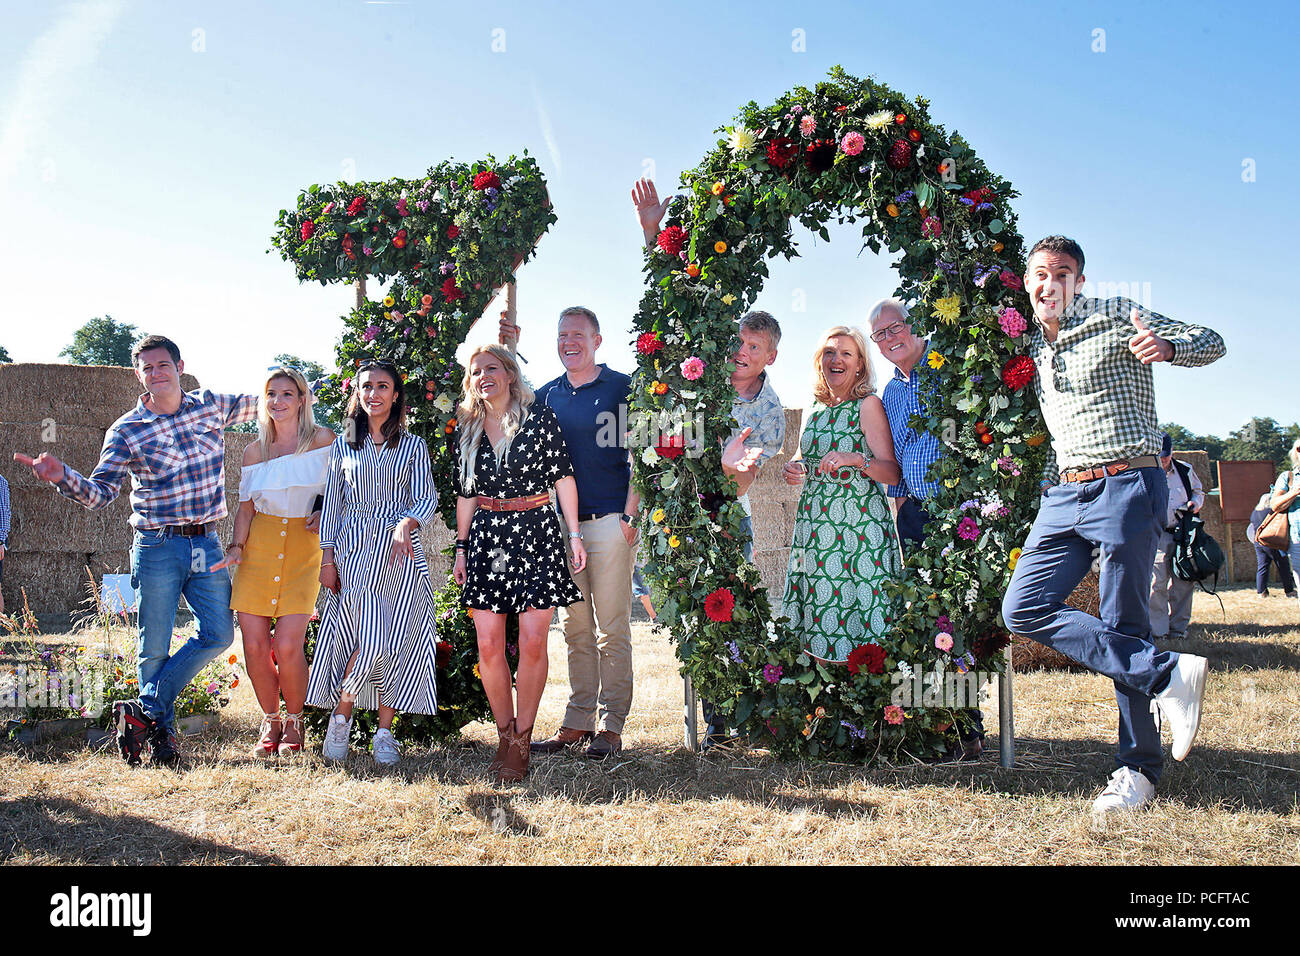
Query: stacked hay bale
(65, 410)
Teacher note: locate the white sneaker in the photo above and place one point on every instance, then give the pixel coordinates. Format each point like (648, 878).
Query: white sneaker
(1128, 789)
(385, 748)
(1180, 702)
(337, 733)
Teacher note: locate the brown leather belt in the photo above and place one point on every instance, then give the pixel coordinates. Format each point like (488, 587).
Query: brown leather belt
(1111, 468)
(515, 504)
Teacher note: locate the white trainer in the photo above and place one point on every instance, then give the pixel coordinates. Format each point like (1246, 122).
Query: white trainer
(1180, 702)
(1128, 789)
(337, 733)
(385, 748)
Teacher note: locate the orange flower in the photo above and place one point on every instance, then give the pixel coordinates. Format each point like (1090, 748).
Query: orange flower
(692, 270)
(426, 300)
(719, 247)
(232, 659)
(892, 209)
(997, 247)
(718, 188)
(1033, 441)
(661, 388)
(234, 683)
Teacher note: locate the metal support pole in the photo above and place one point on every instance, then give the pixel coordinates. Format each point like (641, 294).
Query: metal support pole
(1006, 719)
(690, 721)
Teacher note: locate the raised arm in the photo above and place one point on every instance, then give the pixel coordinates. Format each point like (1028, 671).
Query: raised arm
(104, 483)
(649, 209)
(1159, 339)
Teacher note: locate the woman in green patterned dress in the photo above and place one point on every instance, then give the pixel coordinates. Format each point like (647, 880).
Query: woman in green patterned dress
(844, 549)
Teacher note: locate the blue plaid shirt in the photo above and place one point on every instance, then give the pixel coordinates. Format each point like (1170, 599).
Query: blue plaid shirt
(176, 462)
(915, 451)
(4, 511)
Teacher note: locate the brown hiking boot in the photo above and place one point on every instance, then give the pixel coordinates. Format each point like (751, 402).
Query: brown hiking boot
(564, 738)
(606, 744)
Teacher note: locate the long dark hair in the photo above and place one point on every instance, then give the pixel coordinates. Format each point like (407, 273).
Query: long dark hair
(357, 416)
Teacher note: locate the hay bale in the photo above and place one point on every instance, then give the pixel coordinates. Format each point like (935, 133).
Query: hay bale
(1029, 655)
(92, 396)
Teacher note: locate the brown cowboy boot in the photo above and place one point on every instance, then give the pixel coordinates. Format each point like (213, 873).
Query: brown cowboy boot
(515, 767)
(503, 744)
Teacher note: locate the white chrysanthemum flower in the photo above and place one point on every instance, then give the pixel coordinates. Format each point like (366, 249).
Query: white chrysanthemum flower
(741, 139)
(444, 403)
(649, 456)
(880, 120)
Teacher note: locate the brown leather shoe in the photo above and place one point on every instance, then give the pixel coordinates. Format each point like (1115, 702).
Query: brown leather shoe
(606, 744)
(564, 738)
(515, 765)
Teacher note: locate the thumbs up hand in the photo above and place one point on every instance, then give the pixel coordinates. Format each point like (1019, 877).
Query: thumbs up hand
(1146, 345)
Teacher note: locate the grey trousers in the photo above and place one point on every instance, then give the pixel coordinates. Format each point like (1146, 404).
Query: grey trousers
(1171, 598)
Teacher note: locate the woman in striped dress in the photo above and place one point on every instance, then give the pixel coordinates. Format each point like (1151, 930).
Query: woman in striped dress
(376, 648)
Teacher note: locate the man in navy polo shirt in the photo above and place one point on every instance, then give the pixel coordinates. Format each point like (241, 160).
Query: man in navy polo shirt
(590, 402)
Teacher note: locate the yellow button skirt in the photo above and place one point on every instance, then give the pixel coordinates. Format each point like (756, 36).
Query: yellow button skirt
(280, 570)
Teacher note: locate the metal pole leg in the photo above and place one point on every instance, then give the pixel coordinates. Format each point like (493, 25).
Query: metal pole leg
(690, 721)
(1006, 719)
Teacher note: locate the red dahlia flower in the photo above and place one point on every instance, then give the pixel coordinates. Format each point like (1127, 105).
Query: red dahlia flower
(1010, 279)
(673, 446)
(356, 205)
(307, 230)
(719, 604)
(450, 291)
(487, 180)
(453, 231)
(442, 655)
(672, 239)
(648, 343)
(781, 152)
(868, 657)
(1018, 372)
(820, 155)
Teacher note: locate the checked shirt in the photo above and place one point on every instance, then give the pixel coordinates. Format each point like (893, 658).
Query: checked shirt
(1098, 400)
(915, 451)
(764, 414)
(176, 462)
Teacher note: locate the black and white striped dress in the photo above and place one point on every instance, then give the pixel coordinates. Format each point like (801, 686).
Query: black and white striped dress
(384, 612)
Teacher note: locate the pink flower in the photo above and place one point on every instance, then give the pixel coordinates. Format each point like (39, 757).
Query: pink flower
(852, 143)
(369, 334)
(401, 208)
(213, 687)
(967, 529)
(693, 368)
(329, 208)
(931, 227)
(894, 714)
(398, 316)
(1012, 322)
(943, 641)
(772, 674)
(1010, 279)
(807, 126)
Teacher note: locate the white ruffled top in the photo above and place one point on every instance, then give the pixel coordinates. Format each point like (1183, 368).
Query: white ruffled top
(286, 487)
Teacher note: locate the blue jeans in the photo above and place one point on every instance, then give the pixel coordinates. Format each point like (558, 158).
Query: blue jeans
(1117, 519)
(716, 721)
(163, 567)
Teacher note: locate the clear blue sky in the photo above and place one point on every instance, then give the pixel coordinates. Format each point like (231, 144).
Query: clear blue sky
(146, 147)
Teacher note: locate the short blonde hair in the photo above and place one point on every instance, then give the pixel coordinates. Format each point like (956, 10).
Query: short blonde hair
(863, 385)
(306, 425)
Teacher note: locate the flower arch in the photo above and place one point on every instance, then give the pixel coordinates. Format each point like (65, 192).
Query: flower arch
(449, 241)
(857, 151)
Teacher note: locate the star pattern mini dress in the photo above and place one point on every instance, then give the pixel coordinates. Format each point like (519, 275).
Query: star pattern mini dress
(517, 559)
(844, 548)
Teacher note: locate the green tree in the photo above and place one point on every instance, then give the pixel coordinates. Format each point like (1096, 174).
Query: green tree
(311, 371)
(101, 341)
(1260, 439)
(4, 354)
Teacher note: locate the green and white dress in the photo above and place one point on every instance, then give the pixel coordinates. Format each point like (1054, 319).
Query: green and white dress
(844, 547)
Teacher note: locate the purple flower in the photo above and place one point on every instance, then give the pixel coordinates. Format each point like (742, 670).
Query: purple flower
(984, 207)
(772, 673)
(491, 193)
(905, 196)
(983, 275)
(796, 108)
(948, 269)
(369, 334)
(735, 652)
(966, 202)
(853, 731)
(976, 378)
(967, 529)
(366, 250)
(446, 267)
(943, 623)
(969, 503)
(422, 205)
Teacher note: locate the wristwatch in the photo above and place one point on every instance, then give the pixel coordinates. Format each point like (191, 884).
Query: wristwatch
(627, 518)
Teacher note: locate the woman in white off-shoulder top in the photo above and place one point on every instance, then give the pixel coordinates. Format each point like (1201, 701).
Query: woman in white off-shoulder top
(276, 551)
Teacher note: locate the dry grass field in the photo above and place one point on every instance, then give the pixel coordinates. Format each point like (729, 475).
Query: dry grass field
(1233, 801)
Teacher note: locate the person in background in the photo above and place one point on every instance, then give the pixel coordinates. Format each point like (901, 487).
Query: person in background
(1171, 596)
(4, 534)
(1265, 558)
(172, 446)
(275, 549)
(1286, 494)
(1103, 496)
(377, 646)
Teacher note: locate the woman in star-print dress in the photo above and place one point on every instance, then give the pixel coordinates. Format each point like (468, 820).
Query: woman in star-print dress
(507, 449)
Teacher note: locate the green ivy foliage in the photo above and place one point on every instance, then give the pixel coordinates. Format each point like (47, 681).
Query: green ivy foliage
(924, 196)
(448, 241)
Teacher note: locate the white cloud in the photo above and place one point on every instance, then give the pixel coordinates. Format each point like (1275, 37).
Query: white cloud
(48, 75)
(544, 119)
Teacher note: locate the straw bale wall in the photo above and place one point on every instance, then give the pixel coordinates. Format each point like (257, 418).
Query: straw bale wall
(65, 410)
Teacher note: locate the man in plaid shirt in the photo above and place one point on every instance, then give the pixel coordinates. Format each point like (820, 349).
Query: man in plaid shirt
(171, 444)
(1093, 359)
